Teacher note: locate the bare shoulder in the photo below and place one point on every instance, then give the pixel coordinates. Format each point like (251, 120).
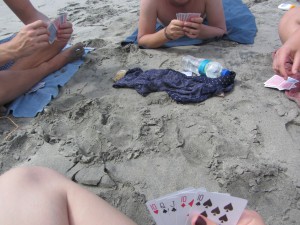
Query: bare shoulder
(149, 3)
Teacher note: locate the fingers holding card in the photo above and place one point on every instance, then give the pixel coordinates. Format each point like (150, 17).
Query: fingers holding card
(178, 208)
(187, 16)
(54, 26)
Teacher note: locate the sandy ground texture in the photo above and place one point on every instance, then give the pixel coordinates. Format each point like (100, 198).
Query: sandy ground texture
(128, 149)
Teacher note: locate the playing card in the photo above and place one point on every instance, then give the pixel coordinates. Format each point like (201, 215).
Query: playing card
(274, 81)
(220, 208)
(62, 18)
(52, 30)
(187, 16)
(179, 207)
(185, 202)
(192, 15)
(155, 211)
(36, 87)
(168, 206)
(280, 83)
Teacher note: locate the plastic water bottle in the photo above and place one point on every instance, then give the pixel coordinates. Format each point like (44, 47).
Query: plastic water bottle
(204, 67)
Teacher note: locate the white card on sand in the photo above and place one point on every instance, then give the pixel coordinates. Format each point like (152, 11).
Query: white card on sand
(280, 83)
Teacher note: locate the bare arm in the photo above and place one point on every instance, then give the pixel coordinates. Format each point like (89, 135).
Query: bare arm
(286, 61)
(26, 16)
(147, 36)
(216, 22)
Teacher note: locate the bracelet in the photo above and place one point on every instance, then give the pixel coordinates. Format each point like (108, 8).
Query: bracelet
(166, 35)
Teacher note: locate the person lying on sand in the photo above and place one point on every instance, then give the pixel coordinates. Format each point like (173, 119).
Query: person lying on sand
(37, 195)
(165, 12)
(33, 56)
(286, 60)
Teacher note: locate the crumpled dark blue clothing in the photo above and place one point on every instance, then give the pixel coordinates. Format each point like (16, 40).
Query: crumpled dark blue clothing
(181, 88)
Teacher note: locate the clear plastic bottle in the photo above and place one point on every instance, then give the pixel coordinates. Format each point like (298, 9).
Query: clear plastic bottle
(204, 67)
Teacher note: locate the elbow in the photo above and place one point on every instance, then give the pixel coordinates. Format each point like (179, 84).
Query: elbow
(147, 43)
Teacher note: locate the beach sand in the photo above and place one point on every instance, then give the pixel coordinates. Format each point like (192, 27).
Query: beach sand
(246, 144)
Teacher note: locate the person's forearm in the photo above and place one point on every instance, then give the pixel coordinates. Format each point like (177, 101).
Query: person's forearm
(25, 11)
(6, 53)
(155, 40)
(293, 41)
(211, 32)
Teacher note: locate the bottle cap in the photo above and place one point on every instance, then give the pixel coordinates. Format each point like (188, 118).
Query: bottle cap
(225, 72)
(201, 67)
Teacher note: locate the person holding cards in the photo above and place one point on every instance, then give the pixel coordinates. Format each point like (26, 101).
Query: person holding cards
(37, 195)
(286, 60)
(28, 56)
(165, 12)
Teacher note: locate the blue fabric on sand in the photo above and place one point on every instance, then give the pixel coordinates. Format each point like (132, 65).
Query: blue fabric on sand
(240, 22)
(29, 104)
(10, 63)
(181, 88)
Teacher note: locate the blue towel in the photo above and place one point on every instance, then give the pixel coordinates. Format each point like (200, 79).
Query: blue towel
(240, 22)
(31, 103)
(181, 88)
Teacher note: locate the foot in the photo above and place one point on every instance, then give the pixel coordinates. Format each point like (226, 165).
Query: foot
(71, 54)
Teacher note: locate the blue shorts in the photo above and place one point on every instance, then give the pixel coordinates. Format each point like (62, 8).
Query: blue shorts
(9, 63)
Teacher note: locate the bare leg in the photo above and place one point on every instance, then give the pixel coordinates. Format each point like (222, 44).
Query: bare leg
(39, 57)
(18, 79)
(35, 196)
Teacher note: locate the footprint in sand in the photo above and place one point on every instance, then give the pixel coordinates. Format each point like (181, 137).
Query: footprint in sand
(293, 129)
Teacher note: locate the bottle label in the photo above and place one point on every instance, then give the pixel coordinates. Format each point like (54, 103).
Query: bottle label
(201, 68)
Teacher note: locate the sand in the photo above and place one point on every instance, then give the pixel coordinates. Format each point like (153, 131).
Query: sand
(246, 144)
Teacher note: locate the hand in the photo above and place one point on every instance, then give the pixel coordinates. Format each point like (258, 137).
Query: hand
(32, 37)
(286, 61)
(192, 28)
(175, 29)
(65, 31)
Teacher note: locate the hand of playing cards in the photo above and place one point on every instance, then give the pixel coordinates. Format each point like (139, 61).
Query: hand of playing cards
(54, 26)
(178, 208)
(187, 16)
(281, 84)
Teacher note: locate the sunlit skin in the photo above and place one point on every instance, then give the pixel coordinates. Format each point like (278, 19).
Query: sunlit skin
(34, 57)
(286, 60)
(165, 11)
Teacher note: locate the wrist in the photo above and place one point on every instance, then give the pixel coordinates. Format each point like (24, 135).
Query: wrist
(166, 35)
(7, 52)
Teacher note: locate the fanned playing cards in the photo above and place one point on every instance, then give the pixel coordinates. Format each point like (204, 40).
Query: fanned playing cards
(179, 207)
(280, 83)
(54, 25)
(187, 16)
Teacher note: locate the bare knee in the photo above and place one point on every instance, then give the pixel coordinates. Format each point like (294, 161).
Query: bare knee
(26, 176)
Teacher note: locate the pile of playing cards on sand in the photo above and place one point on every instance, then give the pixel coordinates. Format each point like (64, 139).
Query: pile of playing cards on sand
(187, 16)
(54, 25)
(179, 207)
(281, 84)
